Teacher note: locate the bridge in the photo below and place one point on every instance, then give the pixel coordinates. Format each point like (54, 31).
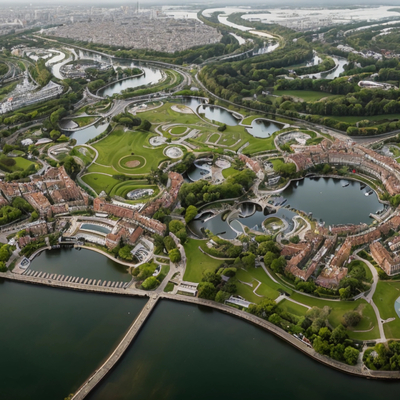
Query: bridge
(133, 330)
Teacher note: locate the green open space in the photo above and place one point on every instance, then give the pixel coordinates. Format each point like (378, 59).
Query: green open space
(293, 308)
(83, 121)
(121, 143)
(132, 162)
(229, 172)
(385, 296)
(20, 164)
(84, 153)
(197, 262)
(100, 182)
(178, 130)
(214, 138)
(306, 95)
(123, 188)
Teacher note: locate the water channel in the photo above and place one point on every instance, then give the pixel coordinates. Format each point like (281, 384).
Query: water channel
(328, 200)
(53, 339)
(80, 263)
(98, 228)
(201, 353)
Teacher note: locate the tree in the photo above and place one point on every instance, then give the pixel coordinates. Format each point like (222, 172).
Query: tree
(145, 125)
(249, 260)
(34, 216)
(351, 318)
(206, 290)
(264, 309)
(174, 255)
(71, 166)
(222, 296)
(211, 276)
(150, 283)
(269, 258)
(169, 243)
(351, 355)
(3, 267)
(125, 253)
(339, 334)
(279, 264)
(175, 226)
(191, 212)
(54, 134)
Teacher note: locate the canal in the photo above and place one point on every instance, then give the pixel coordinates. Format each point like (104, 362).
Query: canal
(53, 339)
(189, 352)
(80, 263)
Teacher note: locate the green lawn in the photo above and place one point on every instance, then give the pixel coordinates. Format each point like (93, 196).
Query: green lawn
(197, 262)
(100, 182)
(120, 144)
(21, 164)
(87, 156)
(293, 308)
(385, 296)
(306, 95)
(339, 308)
(83, 121)
(178, 130)
(123, 188)
(229, 172)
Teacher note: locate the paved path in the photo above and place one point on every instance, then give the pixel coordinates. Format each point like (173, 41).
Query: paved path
(370, 295)
(133, 330)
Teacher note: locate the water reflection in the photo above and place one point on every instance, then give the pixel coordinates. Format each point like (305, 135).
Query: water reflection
(263, 128)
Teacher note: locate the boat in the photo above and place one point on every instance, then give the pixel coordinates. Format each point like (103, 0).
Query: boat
(369, 193)
(345, 184)
(362, 186)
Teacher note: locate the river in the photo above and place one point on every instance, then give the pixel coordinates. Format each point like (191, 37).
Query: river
(189, 352)
(80, 263)
(53, 339)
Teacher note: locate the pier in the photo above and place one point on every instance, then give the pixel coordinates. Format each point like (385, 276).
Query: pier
(134, 329)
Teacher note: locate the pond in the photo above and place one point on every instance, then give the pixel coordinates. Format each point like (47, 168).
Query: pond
(335, 201)
(263, 128)
(85, 134)
(97, 228)
(198, 171)
(397, 306)
(182, 345)
(80, 263)
(53, 339)
(214, 113)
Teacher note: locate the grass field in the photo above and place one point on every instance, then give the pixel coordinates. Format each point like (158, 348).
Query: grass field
(83, 121)
(86, 155)
(197, 262)
(178, 130)
(100, 182)
(293, 308)
(385, 296)
(21, 164)
(229, 172)
(306, 95)
(123, 188)
(120, 144)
